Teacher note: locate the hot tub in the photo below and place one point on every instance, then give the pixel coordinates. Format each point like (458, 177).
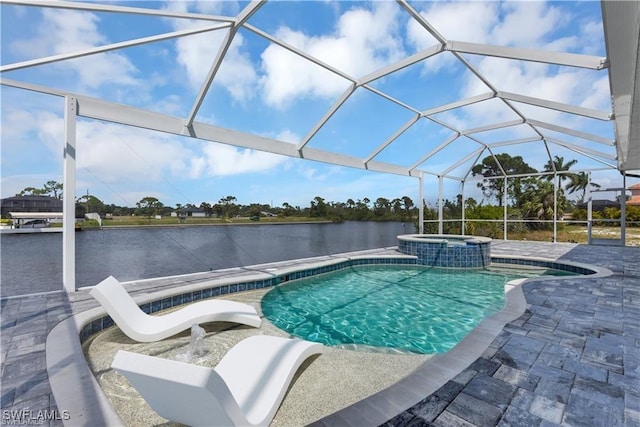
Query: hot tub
(448, 251)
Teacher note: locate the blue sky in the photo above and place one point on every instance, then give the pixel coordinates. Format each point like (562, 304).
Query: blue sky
(266, 90)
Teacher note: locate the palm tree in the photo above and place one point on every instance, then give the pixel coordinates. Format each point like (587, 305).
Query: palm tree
(558, 164)
(580, 182)
(539, 199)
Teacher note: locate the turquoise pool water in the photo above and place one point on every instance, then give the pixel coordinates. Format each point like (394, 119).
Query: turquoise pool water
(409, 308)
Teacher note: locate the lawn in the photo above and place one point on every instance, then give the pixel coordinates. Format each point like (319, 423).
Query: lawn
(578, 234)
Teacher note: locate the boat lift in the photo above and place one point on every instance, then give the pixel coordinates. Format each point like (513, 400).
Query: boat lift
(22, 218)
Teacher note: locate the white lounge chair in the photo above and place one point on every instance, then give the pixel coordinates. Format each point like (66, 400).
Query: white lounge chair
(245, 389)
(142, 327)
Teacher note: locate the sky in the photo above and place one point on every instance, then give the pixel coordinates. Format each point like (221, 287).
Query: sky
(265, 90)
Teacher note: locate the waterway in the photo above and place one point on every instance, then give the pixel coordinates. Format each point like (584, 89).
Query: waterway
(32, 263)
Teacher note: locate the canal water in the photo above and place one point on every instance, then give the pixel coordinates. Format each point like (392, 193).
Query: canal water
(32, 263)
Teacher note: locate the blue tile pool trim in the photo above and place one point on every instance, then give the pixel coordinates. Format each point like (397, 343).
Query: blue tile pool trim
(441, 253)
(105, 322)
(581, 270)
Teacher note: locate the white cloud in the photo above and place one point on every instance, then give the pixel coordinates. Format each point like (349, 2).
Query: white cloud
(461, 21)
(364, 40)
(12, 185)
(115, 153)
(288, 136)
(206, 7)
(196, 54)
(10, 130)
(288, 77)
(224, 160)
(527, 78)
(598, 95)
(526, 24)
(560, 84)
(370, 37)
(237, 73)
(64, 31)
(522, 24)
(592, 38)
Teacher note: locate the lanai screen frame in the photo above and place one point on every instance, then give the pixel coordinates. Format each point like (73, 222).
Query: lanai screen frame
(621, 27)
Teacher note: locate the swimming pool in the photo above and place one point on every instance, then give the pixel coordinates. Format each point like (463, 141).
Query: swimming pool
(404, 308)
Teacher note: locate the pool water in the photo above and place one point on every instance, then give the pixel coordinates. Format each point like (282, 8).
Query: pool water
(408, 308)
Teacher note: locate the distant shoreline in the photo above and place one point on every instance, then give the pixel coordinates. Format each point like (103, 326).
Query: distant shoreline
(214, 224)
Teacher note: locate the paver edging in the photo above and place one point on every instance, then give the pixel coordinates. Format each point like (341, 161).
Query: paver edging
(84, 402)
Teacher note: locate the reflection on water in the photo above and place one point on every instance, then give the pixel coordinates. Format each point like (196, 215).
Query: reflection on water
(33, 262)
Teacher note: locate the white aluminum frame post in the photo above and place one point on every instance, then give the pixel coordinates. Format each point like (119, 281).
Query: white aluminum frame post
(421, 206)
(69, 199)
(440, 206)
(505, 202)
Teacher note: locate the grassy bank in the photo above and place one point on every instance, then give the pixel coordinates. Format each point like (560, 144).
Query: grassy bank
(578, 234)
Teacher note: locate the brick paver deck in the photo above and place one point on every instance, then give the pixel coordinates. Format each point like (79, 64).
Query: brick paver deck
(572, 359)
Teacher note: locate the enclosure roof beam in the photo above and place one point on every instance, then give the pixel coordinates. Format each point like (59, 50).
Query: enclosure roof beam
(298, 52)
(435, 151)
(458, 104)
(243, 16)
(463, 160)
(558, 106)
(621, 24)
(525, 175)
(466, 175)
(392, 138)
(390, 98)
(582, 150)
(443, 124)
(32, 87)
(399, 65)
(515, 141)
(567, 131)
(422, 21)
(330, 112)
(532, 55)
(492, 127)
(498, 162)
(107, 111)
(95, 7)
(107, 48)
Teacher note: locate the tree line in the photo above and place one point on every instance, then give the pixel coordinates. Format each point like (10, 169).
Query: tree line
(380, 209)
(529, 197)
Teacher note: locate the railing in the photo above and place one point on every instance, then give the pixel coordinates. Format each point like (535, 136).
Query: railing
(586, 232)
(620, 240)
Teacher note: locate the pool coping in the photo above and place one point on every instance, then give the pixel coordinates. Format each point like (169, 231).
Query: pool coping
(441, 368)
(86, 402)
